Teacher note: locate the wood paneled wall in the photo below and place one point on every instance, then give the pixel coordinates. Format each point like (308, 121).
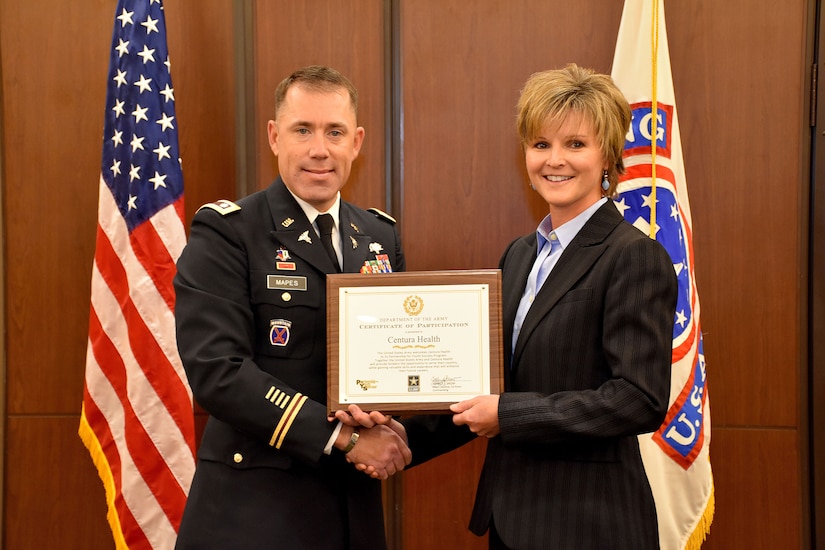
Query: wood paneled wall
(55, 60)
(449, 160)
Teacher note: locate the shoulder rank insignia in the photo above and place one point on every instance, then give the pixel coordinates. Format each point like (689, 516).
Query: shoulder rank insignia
(380, 214)
(222, 207)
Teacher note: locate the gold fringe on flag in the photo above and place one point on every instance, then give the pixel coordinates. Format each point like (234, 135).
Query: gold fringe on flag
(87, 435)
(700, 533)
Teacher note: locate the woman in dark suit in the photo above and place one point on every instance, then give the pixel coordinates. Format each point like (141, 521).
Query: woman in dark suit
(589, 304)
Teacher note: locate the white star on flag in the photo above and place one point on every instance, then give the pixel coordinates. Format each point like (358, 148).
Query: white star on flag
(137, 420)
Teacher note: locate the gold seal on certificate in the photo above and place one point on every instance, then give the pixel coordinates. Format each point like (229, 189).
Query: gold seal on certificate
(413, 342)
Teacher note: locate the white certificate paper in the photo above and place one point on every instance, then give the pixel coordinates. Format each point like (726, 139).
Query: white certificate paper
(413, 344)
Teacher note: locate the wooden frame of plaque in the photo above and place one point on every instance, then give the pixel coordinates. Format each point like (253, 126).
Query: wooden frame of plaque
(413, 342)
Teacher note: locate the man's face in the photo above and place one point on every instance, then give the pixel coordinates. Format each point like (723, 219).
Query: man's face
(315, 138)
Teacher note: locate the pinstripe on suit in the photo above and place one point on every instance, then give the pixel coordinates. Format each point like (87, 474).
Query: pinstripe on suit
(590, 371)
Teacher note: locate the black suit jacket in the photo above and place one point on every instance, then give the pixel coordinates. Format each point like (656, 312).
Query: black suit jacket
(589, 372)
(251, 330)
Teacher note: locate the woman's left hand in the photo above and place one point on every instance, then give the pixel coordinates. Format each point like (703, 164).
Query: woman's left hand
(480, 414)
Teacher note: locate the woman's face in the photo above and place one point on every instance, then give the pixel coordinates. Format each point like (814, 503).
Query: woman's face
(566, 167)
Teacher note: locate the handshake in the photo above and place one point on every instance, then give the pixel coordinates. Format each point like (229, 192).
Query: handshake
(382, 447)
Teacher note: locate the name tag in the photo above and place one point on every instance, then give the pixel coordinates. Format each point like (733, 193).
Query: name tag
(279, 282)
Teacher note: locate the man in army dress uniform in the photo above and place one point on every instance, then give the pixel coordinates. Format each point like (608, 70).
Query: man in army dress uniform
(273, 471)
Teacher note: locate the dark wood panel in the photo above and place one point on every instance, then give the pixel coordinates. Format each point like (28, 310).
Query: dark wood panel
(199, 35)
(348, 36)
(741, 117)
(438, 499)
(58, 111)
(466, 194)
(817, 298)
(465, 197)
(757, 483)
(53, 100)
(54, 497)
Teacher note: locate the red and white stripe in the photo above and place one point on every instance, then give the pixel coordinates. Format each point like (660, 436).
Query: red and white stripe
(137, 404)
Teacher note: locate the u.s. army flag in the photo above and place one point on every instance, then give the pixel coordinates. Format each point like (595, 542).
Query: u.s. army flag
(653, 197)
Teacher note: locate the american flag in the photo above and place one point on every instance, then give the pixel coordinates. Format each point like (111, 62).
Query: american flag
(136, 419)
(654, 198)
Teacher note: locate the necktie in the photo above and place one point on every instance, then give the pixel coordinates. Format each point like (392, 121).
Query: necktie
(326, 225)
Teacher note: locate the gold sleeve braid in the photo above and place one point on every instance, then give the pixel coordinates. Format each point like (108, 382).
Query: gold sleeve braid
(286, 420)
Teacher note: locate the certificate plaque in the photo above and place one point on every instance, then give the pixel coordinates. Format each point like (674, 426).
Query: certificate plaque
(413, 342)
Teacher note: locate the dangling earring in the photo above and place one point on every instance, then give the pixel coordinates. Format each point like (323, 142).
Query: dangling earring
(605, 181)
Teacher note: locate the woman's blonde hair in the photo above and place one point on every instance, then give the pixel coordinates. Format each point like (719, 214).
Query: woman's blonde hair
(548, 97)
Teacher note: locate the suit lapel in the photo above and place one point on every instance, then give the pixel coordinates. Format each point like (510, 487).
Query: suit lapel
(523, 255)
(578, 257)
(355, 245)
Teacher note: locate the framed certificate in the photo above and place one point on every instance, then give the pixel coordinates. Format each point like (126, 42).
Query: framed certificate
(414, 342)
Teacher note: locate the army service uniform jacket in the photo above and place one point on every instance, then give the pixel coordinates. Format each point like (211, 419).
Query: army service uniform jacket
(251, 331)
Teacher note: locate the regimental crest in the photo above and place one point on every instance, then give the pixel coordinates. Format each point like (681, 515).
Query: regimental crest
(279, 332)
(413, 305)
(282, 255)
